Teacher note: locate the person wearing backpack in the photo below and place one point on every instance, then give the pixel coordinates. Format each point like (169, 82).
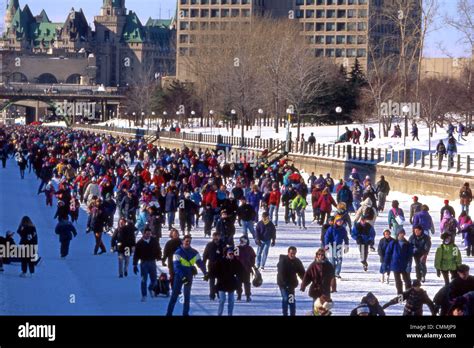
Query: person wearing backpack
(396, 218)
(449, 224)
(465, 195)
(448, 258)
(364, 234)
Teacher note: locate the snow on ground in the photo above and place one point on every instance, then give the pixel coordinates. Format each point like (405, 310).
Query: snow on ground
(94, 284)
(328, 134)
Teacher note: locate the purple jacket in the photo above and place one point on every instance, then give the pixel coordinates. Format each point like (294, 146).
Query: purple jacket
(423, 218)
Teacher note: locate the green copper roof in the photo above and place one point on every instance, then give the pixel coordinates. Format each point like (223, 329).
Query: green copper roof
(44, 32)
(133, 30)
(164, 23)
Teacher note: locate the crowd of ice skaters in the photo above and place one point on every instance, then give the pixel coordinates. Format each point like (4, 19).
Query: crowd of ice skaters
(150, 188)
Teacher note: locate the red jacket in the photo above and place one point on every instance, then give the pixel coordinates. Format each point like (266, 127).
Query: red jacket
(146, 176)
(274, 198)
(325, 203)
(210, 197)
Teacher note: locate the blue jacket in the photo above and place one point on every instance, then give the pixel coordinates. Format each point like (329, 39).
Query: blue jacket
(398, 256)
(363, 234)
(141, 221)
(382, 251)
(184, 260)
(423, 218)
(254, 198)
(345, 195)
(65, 230)
(265, 232)
(196, 198)
(336, 234)
(171, 202)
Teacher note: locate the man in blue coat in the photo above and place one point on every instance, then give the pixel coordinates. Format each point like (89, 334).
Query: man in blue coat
(185, 259)
(66, 230)
(335, 236)
(398, 259)
(254, 198)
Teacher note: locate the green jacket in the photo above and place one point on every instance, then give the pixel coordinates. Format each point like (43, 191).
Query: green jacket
(448, 257)
(298, 203)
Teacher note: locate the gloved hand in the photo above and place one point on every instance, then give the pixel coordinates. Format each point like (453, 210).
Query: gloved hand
(273, 243)
(135, 269)
(346, 249)
(438, 273)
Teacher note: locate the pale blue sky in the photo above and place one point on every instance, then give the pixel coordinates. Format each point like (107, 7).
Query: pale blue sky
(58, 9)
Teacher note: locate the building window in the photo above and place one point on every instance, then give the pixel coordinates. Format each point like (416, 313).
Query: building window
(319, 13)
(361, 39)
(351, 26)
(309, 14)
(245, 13)
(330, 26)
(309, 39)
(194, 13)
(341, 13)
(351, 52)
(235, 13)
(214, 13)
(204, 13)
(331, 14)
(319, 52)
(330, 52)
(361, 26)
(319, 39)
(309, 26)
(225, 13)
(351, 39)
(340, 39)
(341, 2)
(351, 13)
(183, 39)
(361, 52)
(341, 26)
(363, 13)
(183, 25)
(330, 40)
(319, 26)
(340, 52)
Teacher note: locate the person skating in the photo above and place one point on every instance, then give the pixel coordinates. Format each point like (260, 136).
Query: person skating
(246, 256)
(382, 188)
(168, 252)
(366, 209)
(372, 305)
(447, 207)
(398, 259)
(246, 215)
(325, 203)
(415, 208)
(185, 259)
(29, 238)
(384, 243)
(186, 211)
(22, 163)
(324, 229)
(415, 298)
(286, 199)
(334, 239)
(465, 197)
(447, 258)
(421, 247)
(299, 206)
(226, 229)
(66, 231)
(364, 234)
(289, 268)
(320, 274)
(265, 236)
(213, 252)
(123, 241)
(424, 220)
(396, 218)
(449, 225)
(227, 272)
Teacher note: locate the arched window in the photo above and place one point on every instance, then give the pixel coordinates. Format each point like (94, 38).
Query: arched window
(74, 79)
(47, 78)
(18, 77)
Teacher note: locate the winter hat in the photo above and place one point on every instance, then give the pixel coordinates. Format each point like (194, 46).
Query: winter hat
(244, 240)
(401, 231)
(415, 283)
(331, 218)
(463, 268)
(354, 171)
(362, 309)
(415, 198)
(446, 201)
(338, 218)
(445, 235)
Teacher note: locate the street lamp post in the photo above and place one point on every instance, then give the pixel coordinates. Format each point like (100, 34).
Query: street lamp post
(289, 112)
(338, 111)
(164, 117)
(193, 114)
(405, 110)
(260, 112)
(233, 113)
(211, 118)
(134, 118)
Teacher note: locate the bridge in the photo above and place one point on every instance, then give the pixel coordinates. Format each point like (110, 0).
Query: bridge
(35, 97)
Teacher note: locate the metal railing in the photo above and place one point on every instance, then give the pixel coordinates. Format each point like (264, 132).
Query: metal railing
(410, 158)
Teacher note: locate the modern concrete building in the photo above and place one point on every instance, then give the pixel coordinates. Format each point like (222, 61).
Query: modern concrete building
(339, 29)
(116, 53)
(440, 68)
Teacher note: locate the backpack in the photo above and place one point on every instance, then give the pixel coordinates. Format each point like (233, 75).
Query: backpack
(257, 278)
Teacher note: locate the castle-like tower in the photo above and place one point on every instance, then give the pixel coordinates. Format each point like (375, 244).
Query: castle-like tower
(12, 7)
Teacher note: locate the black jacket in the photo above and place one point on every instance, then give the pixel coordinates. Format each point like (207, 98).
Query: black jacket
(415, 299)
(421, 244)
(225, 227)
(227, 273)
(28, 235)
(66, 230)
(459, 287)
(123, 238)
(170, 247)
(146, 251)
(246, 212)
(213, 253)
(288, 270)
